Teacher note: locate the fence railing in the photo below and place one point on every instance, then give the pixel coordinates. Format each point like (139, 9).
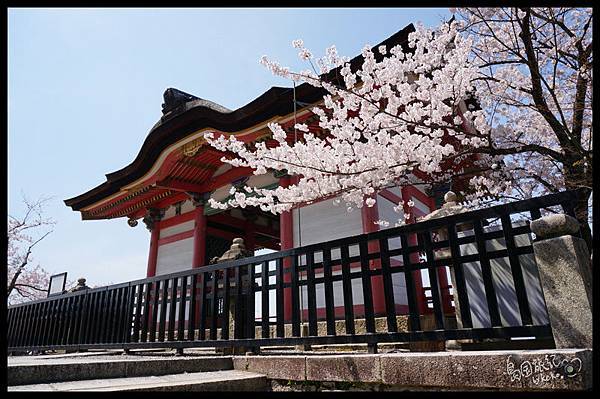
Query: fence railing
(265, 300)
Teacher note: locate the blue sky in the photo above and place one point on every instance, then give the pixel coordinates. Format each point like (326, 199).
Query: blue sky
(85, 87)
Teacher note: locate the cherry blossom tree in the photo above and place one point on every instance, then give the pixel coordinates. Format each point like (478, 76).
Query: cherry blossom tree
(25, 280)
(506, 92)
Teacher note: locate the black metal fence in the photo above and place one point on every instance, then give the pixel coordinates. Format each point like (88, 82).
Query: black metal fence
(243, 302)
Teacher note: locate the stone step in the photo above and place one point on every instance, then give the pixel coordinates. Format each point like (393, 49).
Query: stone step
(225, 380)
(28, 370)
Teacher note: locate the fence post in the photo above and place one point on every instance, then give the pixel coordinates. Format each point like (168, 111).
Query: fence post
(564, 267)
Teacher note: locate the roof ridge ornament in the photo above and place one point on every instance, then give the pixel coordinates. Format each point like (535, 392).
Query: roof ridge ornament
(173, 98)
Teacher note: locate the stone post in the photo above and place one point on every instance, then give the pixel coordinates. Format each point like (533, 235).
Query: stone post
(236, 251)
(565, 273)
(450, 207)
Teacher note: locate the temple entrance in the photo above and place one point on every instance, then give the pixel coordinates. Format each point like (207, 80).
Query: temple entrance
(259, 230)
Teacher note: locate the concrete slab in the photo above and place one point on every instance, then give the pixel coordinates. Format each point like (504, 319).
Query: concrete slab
(512, 370)
(278, 367)
(505, 370)
(47, 370)
(358, 368)
(229, 380)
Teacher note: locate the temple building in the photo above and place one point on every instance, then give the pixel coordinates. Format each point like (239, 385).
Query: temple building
(169, 182)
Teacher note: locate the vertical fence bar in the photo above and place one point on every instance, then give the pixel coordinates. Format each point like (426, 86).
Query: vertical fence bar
(459, 278)
(56, 322)
(113, 332)
(10, 317)
(146, 314)
(26, 331)
(88, 336)
(388, 288)
(172, 307)
(163, 310)
(25, 324)
(280, 328)
(155, 302)
(347, 290)
(107, 320)
(127, 331)
(28, 321)
(123, 302)
(250, 312)
(92, 320)
(49, 322)
(486, 272)
(192, 312)
(182, 305)
(46, 325)
(366, 286)
(78, 315)
(35, 327)
(71, 320)
(425, 238)
(18, 324)
(107, 316)
(328, 285)
(238, 326)
(203, 307)
(9, 325)
(411, 292)
(295, 296)
(517, 272)
(31, 323)
(38, 325)
(84, 315)
(15, 325)
(311, 293)
(214, 303)
(110, 295)
(60, 322)
(114, 316)
(264, 290)
(138, 312)
(225, 315)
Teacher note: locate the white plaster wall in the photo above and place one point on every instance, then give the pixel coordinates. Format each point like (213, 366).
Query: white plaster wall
(324, 221)
(503, 284)
(178, 228)
(175, 256)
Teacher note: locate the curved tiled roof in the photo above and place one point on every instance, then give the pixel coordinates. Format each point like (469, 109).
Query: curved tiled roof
(185, 114)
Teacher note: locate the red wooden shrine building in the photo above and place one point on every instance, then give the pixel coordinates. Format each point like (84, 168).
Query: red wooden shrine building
(167, 186)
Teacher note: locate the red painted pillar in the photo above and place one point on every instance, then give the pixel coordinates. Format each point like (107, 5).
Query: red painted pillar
(286, 236)
(443, 276)
(199, 253)
(414, 257)
(369, 216)
(153, 254)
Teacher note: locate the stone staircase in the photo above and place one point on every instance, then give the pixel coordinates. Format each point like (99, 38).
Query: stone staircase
(116, 372)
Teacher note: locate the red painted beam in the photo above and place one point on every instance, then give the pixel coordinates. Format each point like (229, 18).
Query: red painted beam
(225, 178)
(176, 237)
(390, 196)
(177, 185)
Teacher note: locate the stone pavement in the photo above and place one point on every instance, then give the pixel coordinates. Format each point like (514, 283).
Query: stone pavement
(506, 370)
